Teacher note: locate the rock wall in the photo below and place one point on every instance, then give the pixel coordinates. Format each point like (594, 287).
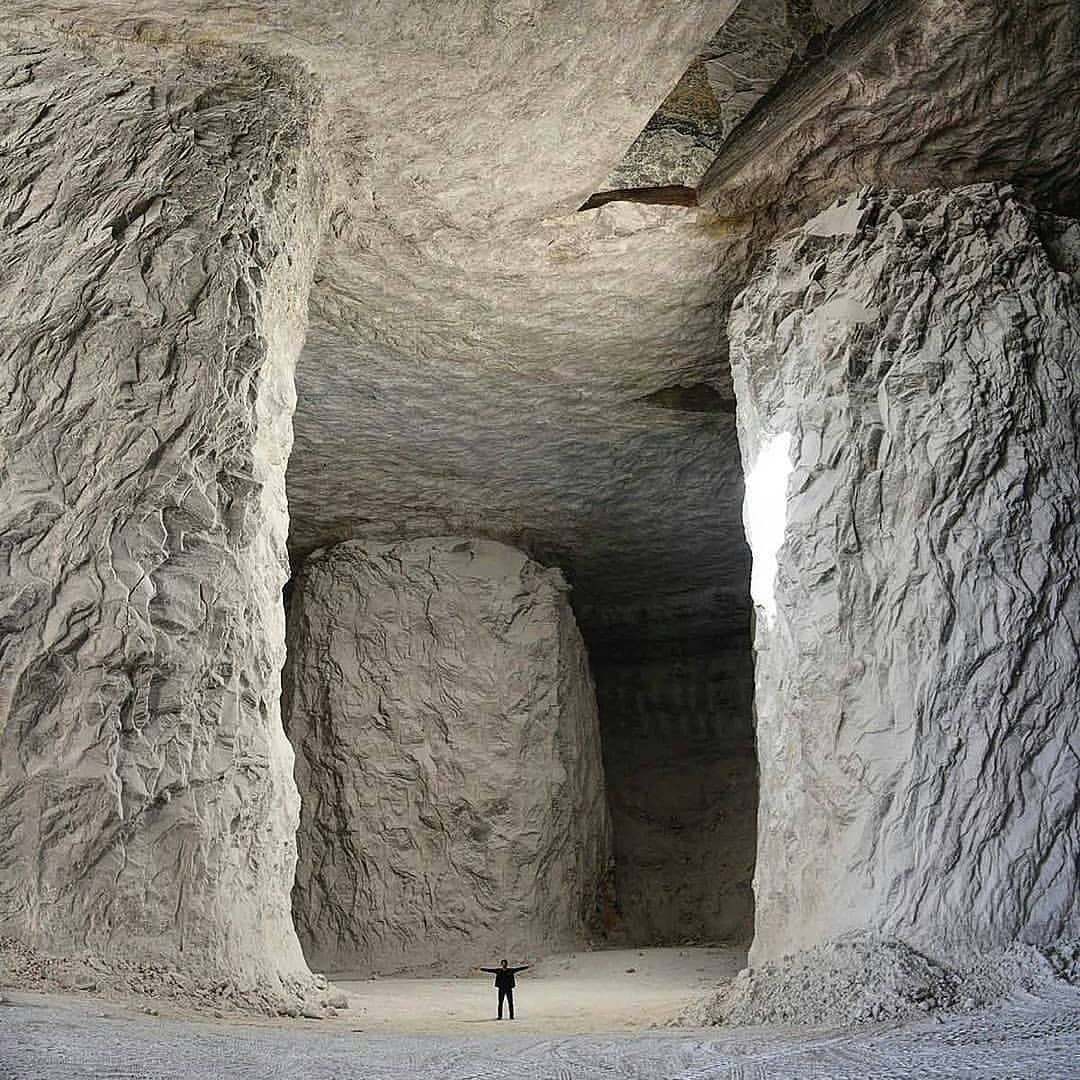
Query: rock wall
(438, 694)
(909, 410)
(679, 758)
(900, 95)
(160, 216)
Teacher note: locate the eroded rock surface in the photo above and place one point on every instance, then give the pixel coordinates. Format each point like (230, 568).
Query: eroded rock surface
(914, 94)
(439, 697)
(909, 409)
(759, 42)
(160, 220)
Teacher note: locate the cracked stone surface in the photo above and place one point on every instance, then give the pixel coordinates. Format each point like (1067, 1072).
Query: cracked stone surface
(753, 49)
(917, 93)
(760, 43)
(454, 810)
(159, 218)
(914, 359)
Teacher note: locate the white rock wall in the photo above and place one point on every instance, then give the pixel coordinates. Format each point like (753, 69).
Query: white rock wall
(438, 694)
(908, 376)
(159, 225)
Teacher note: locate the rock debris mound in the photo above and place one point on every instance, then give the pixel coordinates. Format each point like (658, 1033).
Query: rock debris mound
(23, 967)
(867, 979)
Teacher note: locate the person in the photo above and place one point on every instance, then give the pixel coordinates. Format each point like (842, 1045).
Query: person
(504, 983)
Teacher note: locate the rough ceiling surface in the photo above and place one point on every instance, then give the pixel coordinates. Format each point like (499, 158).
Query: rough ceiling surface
(482, 358)
(756, 46)
(476, 347)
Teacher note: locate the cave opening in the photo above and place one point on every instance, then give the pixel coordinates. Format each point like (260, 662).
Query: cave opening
(657, 578)
(677, 733)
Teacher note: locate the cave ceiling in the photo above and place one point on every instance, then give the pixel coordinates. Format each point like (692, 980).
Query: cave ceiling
(483, 358)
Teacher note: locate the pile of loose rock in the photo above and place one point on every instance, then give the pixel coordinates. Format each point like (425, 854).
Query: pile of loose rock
(865, 979)
(154, 984)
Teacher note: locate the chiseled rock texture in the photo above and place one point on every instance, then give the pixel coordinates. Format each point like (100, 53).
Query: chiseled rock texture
(913, 94)
(159, 226)
(917, 679)
(759, 43)
(448, 756)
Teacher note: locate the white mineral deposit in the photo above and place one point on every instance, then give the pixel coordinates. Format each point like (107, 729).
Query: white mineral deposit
(591, 486)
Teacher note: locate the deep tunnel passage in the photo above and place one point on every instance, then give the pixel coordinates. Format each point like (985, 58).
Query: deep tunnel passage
(678, 742)
(637, 500)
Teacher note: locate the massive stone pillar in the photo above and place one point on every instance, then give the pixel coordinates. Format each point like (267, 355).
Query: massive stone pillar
(909, 407)
(448, 756)
(159, 224)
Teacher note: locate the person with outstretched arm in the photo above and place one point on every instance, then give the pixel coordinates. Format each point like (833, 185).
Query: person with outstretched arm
(504, 983)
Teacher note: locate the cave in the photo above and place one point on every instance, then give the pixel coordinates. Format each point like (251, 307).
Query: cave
(489, 479)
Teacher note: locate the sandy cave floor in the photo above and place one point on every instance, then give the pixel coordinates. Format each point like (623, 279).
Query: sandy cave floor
(583, 1016)
(575, 994)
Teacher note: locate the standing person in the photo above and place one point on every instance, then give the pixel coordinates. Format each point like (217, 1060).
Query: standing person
(504, 983)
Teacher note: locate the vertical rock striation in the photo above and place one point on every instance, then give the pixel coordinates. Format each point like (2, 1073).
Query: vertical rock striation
(160, 218)
(909, 406)
(448, 756)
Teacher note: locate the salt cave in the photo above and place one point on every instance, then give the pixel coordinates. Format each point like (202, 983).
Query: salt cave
(536, 477)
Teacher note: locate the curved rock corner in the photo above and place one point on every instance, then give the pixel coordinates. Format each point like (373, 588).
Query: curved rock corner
(448, 757)
(916, 650)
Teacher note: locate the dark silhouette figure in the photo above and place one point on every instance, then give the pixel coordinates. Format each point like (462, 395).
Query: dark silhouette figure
(504, 983)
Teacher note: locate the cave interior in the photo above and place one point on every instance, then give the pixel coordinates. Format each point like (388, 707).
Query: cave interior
(510, 274)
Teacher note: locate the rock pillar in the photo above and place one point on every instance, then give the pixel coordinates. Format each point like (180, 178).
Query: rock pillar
(909, 409)
(159, 224)
(448, 754)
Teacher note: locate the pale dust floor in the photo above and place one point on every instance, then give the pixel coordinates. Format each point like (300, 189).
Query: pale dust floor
(580, 993)
(582, 1018)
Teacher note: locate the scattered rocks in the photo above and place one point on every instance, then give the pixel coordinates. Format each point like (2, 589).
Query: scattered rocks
(1064, 958)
